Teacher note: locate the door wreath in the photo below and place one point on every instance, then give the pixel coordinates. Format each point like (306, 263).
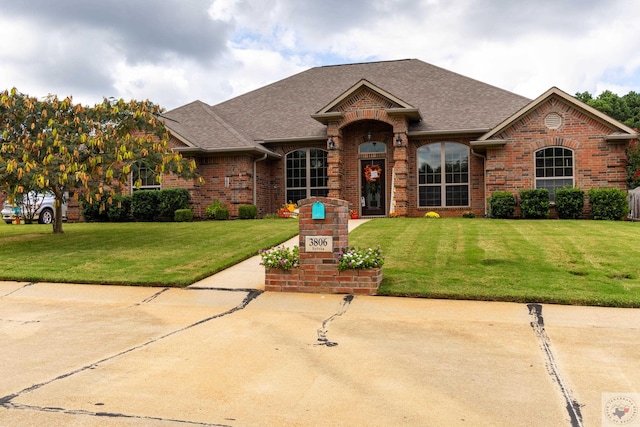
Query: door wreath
(372, 173)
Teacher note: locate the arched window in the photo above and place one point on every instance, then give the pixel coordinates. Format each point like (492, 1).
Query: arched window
(307, 174)
(554, 169)
(443, 175)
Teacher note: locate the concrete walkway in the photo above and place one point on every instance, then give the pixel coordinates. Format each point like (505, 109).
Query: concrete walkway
(234, 356)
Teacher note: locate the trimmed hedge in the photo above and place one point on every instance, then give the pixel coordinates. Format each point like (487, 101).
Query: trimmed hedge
(502, 204)
(94, 211)
(569, 202)
(144, 205)
(534, 204)
(183, 215)
(119, 210)
(608, 203)
(247, 211)
(170, 200)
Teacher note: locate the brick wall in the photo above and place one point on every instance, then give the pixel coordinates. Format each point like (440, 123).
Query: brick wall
(597, 163)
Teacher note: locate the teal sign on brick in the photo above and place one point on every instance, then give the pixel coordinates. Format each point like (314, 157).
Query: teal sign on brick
(317, 210)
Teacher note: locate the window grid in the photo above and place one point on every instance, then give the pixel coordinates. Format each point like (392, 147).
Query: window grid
(147, 177)
(306, 174)
(453, 159)
(554, 169)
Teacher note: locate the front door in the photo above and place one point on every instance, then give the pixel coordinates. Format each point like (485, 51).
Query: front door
(372, 190)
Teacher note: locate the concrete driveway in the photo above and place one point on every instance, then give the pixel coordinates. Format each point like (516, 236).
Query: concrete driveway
(128, 356)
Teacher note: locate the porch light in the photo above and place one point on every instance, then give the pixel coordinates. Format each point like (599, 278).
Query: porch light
(332, 144)
(399, 141)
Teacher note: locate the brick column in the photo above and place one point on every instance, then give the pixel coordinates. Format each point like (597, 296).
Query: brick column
(401, 170)
(318, 271)
(335, 159)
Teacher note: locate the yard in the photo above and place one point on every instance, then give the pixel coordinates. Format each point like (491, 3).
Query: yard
(568, 262)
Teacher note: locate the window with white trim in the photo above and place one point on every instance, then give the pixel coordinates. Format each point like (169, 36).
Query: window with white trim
(306, 174)
(143, 175)
(443, 175)
(554, 169)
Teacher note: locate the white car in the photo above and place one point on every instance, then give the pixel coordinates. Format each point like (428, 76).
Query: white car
(35, 205)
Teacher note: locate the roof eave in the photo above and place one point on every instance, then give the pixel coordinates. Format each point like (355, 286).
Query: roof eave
(228, 150)
(411, 113)
(488, 144)
(620, 138)
(325, 118)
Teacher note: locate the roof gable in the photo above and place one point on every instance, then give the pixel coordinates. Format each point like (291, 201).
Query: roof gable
(615, 125)
(362, 95)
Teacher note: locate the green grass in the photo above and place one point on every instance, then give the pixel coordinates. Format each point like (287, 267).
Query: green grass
(565, 262)
(161, 254)
(546, 261)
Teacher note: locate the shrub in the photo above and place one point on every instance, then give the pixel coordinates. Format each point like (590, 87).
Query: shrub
(217, 210)
(468, 214)
(93, 211)
(608, 203)
(144, 205)
(569, 202)
(183, 215)
(247, 211)
(432, 215)
(502, 204)
(534, 204)
(119, 210)
(170, 200)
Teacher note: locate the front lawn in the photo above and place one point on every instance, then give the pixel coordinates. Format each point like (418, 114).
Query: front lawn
(555, 261)
(162, 254)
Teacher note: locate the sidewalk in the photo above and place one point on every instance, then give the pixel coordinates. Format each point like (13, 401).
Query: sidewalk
(249, 274)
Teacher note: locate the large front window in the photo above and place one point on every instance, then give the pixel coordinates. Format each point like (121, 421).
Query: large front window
(306, 174)
(443, 175)
(554, 169)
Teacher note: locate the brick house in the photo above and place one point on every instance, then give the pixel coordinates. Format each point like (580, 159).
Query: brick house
(394, 137)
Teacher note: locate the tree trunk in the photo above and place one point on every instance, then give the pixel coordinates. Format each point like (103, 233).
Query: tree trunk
(57, 217)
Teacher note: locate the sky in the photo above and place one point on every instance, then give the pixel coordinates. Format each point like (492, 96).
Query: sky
(173, 52)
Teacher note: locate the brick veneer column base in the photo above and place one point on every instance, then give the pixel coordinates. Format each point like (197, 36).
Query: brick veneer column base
(330, 281)
(318, 272)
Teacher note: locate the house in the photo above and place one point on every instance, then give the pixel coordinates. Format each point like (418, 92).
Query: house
(393, 138)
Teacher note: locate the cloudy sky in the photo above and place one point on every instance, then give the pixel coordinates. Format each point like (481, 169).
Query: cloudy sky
(175, 51)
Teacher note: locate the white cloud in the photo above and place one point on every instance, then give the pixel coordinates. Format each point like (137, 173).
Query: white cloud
(181, 50)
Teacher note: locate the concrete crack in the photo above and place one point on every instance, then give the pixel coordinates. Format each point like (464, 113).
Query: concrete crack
(6, 401)
(322, 332)
(537, 324)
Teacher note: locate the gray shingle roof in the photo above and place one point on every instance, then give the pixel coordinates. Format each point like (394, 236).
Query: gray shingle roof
(448, 101)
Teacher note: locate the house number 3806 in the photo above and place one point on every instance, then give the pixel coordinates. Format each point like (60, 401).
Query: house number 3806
(319, 244)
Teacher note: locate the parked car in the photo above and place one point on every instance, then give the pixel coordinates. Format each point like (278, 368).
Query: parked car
(40, 206)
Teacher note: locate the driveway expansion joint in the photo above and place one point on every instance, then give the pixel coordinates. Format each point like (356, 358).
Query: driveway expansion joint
(537, 324)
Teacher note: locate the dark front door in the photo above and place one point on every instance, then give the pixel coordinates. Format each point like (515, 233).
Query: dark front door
(373, 190)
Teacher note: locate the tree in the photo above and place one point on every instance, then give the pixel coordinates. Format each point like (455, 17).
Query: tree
(64, 148)
(625, 109)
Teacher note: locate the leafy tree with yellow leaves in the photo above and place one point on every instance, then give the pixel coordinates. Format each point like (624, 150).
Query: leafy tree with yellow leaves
(54, 145)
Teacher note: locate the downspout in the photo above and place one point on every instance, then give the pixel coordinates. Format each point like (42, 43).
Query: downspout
(255, 179)
(484, 166)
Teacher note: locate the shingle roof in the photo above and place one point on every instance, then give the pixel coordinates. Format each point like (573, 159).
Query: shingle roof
(447, 101)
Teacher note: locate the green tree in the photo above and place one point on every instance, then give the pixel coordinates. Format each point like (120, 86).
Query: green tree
(625, 109)
(54, 145)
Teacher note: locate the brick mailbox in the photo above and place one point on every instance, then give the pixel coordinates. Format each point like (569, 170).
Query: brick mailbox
(324, 230)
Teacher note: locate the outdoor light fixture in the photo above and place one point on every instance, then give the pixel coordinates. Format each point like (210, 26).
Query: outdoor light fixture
(399, 141)
(332, 144)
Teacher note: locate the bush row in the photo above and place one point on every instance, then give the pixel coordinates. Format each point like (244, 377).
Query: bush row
(606, 203)
(145, 205)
